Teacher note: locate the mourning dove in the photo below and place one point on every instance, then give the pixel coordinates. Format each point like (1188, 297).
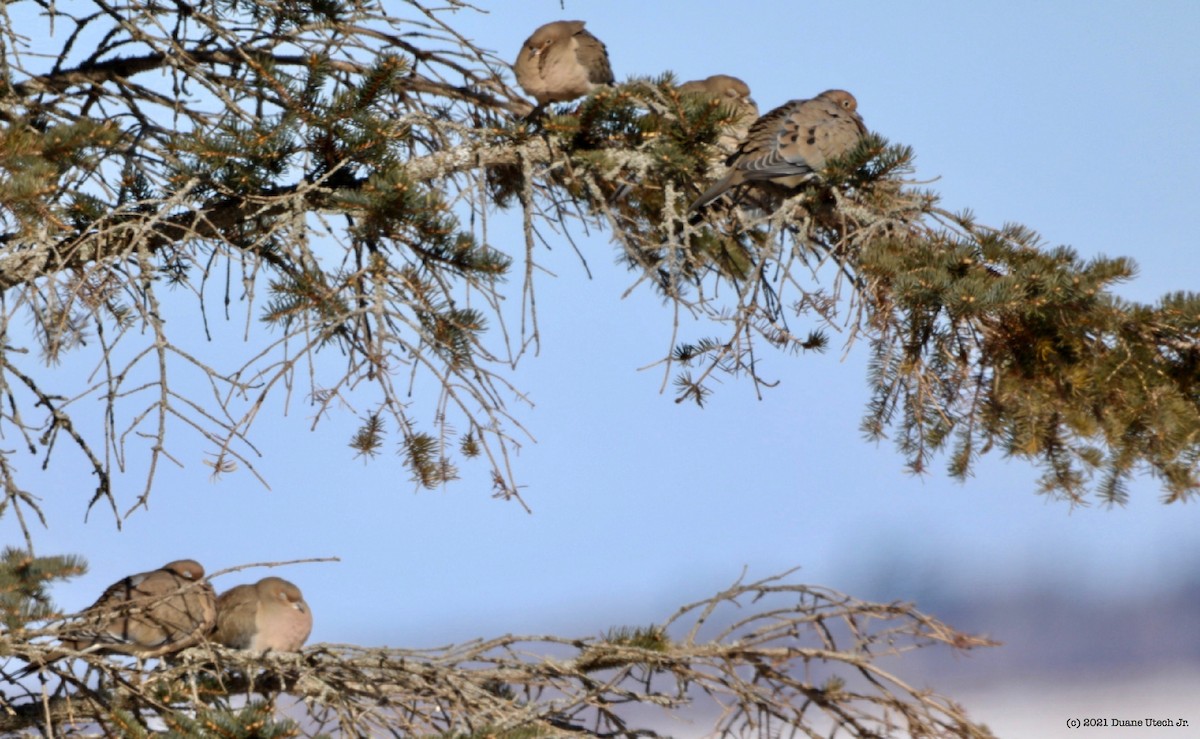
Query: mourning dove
(149, 614)
(734, 93)
(561, 61)
(269, 614)
(791, 144)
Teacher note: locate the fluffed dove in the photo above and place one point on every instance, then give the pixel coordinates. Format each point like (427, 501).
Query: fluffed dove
(149, 614)
(268, 614)
(562, 61)
(789, 145)
(734, 93)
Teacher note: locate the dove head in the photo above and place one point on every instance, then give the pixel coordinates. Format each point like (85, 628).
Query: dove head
(545, 36)
(840, 98)
(729, 86)
(280, 591)
(188, 569)
(723, 85)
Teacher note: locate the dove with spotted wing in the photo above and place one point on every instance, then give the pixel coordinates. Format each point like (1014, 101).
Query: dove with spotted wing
(146, 615)
(790, 145)
(150, 614)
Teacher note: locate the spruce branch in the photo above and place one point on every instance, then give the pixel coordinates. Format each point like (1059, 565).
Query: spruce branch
(765, 657)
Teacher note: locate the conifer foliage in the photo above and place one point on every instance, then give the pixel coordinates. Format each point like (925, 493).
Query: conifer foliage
(323, 175)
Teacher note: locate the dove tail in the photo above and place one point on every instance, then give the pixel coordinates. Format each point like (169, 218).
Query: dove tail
(711, 194)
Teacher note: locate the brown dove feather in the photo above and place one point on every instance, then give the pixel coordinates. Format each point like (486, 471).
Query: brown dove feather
(726, 87)
(149, 614)
(562, 61)
(791, 144)
(269, 614)
(733, 92)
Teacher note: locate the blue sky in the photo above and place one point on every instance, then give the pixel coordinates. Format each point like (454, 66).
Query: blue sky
(1081, 121)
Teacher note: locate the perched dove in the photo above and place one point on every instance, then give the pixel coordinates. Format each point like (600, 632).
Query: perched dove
(269, 614)
(149, 614)
(733, 92)
(561, 61)
(791, 144)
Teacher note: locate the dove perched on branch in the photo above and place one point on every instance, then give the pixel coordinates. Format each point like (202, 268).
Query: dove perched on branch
(561, 61)
(269, 614)
(734, 93)
(791, 144)
(149, 614)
